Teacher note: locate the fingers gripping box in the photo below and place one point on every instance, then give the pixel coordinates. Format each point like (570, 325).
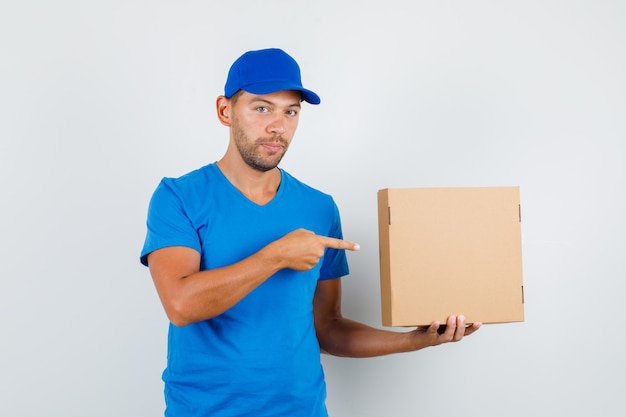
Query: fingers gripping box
(450, 251)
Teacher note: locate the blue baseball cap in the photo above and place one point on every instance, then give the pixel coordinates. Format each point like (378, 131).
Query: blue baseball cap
(266, 71)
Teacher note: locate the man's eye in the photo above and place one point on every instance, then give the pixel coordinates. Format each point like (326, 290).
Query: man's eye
(262, 109)
(291, 112)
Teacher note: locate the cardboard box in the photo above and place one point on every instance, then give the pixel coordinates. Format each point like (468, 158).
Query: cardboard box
(447, 251)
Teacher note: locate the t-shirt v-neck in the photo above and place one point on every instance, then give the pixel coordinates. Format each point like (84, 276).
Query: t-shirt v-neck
(233, 189)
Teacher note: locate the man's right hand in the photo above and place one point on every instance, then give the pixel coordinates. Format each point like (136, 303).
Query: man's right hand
(302, 249)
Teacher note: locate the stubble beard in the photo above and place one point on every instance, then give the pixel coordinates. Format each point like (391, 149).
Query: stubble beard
(251, 151)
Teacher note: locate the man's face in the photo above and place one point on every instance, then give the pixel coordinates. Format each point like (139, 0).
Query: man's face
(263, 126)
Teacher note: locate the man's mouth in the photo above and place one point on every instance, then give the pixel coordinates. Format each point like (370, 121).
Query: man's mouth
(272, 146)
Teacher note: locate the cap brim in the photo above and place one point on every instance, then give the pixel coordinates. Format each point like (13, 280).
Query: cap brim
(273, 87)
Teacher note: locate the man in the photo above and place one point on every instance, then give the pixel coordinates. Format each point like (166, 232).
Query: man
(247, 262)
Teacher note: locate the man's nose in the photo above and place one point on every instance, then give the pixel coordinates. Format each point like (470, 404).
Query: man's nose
(277, 125)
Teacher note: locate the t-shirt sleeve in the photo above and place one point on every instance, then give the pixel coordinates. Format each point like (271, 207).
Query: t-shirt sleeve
(168, 223)
(335, 263)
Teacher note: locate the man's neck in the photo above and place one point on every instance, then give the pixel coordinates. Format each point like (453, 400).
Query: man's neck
(258, 186)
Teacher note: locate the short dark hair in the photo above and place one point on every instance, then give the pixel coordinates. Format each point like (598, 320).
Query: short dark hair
(233, 99)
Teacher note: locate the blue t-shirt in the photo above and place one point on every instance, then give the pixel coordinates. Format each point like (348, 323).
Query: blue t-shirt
(261, 357)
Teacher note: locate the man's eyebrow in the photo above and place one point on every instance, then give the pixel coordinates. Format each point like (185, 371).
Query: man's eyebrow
(264, 100)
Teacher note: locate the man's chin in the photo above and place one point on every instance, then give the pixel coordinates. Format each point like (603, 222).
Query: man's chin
(265, 165)
(262, 167)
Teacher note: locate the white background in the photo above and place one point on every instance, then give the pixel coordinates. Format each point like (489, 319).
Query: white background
(100, 99)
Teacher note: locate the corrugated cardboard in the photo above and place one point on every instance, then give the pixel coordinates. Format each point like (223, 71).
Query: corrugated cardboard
(447, 251)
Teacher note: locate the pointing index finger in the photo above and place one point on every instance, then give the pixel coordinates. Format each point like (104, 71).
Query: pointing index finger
(331, 242)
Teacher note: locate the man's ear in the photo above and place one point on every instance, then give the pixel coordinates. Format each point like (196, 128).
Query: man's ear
(223, 107)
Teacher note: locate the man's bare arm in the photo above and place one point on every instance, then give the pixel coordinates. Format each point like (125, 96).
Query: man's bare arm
(190, 295)
(344, 337)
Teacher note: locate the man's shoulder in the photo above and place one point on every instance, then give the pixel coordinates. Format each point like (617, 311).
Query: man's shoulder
(197, 175)
(303, 187)
(198, 178)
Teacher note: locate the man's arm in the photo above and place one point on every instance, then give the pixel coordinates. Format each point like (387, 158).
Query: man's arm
(190, 295)
(340, 336)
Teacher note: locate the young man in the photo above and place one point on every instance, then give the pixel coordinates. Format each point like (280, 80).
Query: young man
(247, 262)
